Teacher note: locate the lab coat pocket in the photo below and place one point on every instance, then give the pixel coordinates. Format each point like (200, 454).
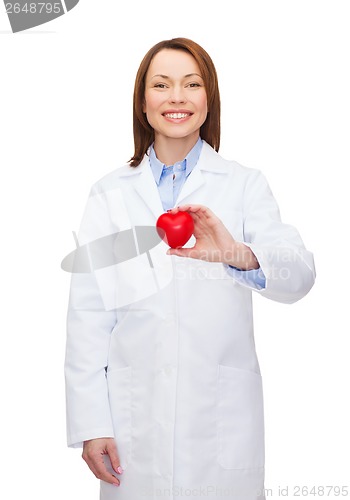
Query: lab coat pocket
(240, 418)
(119, 390)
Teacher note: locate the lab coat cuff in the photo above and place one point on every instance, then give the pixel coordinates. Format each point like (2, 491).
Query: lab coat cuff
(253, 278)
(77, 440)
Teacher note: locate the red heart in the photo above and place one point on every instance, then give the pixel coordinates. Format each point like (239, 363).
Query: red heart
(175, 229)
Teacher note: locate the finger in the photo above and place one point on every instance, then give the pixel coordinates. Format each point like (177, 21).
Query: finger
(200, 210)
(206, 212)
(191, 208)
(175, 210)
(96, 464)
(114, 457)
(200, 220)
(90, 465)
(102, 472)
(185, 208)
(208, 217)
(183, 252)
(200, 215)
(194, 215)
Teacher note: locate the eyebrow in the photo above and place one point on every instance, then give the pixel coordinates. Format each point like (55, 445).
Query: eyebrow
(186, 76)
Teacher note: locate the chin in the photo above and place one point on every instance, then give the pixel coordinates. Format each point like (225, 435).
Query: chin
(179, 134)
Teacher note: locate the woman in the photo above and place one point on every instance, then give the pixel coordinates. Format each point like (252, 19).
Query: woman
(164, 390)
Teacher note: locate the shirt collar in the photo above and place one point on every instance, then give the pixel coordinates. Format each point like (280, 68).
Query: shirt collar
(190, 161)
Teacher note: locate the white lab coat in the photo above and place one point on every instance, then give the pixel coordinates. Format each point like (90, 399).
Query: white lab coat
(162, 358)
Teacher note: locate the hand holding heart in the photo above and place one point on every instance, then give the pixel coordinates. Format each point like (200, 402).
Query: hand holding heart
(214, 243)
(175, 229)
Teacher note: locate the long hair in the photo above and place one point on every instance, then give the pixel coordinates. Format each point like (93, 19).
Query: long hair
(210, 130)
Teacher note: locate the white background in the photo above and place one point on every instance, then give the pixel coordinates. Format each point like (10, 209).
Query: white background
(65, 120)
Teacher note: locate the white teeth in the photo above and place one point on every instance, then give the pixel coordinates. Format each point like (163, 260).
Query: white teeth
(176, 115)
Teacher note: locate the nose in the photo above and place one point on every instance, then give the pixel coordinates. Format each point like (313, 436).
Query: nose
(177, 95)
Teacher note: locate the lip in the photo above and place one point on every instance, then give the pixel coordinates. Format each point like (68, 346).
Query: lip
(177, 111)
(177, 120)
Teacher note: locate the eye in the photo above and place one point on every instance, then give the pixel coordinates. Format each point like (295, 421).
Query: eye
(194, 85)
(160, 86)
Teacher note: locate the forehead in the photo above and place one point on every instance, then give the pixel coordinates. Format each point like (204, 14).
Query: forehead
(173, 63)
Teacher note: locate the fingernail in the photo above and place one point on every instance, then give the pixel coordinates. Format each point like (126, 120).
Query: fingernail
(116, 484)
(119, 470)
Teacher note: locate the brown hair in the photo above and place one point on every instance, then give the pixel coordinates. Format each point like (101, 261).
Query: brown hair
(210, 130)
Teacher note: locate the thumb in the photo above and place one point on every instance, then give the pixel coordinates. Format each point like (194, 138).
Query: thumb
(180, 252)
(114, 457)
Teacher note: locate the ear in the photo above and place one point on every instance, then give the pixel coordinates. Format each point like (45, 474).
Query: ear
(144, 109)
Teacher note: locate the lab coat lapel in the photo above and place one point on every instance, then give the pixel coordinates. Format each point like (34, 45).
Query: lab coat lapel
(194, 181)
(208, 161)
(146, 187)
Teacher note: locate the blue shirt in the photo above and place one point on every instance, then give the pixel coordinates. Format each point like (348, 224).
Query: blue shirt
(170, 181)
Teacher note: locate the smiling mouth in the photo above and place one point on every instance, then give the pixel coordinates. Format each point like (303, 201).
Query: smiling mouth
(177, 116)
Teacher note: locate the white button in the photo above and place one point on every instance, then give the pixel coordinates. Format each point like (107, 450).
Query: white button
(178, 166)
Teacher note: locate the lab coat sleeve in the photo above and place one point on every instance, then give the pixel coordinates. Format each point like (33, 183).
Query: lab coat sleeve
(89, 327)
(287, 265)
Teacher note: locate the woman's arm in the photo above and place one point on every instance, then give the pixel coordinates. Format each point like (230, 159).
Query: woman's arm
(89, 326)
(214, 243)
(275, 247)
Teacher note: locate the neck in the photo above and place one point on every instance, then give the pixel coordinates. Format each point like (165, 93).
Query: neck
(170, 150)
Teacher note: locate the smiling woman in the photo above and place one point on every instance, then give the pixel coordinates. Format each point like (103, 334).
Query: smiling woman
(163, 381)
(176, 76)
(175, 102)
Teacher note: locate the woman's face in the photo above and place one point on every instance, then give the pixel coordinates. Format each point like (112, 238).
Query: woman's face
(175, 97)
